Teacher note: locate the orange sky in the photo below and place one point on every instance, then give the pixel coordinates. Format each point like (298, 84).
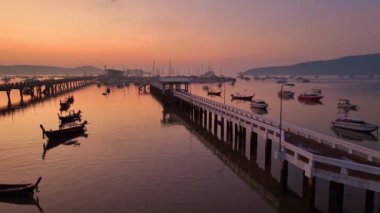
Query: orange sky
(232, 35)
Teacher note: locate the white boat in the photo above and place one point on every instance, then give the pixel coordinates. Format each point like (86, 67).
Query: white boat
(260, 104)
(354, 124)
(346, 104)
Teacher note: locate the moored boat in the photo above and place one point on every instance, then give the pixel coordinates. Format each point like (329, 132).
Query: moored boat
(65, 131)
(313, 95)
(238, 96)
(19, 189)
(260, 104)
(354, 124)
(213, 93)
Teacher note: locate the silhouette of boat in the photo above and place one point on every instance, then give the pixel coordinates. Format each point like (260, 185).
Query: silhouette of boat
(213, 93)
(19, 189)
(65, 131)
(71, 117)
(242, 97)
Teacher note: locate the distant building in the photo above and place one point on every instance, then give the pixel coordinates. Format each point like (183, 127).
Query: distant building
(114, 74)
(134, 72)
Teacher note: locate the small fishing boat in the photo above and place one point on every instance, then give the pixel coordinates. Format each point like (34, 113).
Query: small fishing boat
(346, 104)
(286, 94)
(19, 189)
(108, 90)
(354, 124)
(213, 93)
(65, 131)
(238, 96)
(313, 95)
(260, 104)
(205, 87)
(71, 117)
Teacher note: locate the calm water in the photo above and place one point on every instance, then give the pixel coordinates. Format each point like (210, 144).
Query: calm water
(131, 161)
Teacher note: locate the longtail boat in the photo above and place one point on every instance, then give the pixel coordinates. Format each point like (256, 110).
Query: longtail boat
(65, 131)
(242, 97)
(213, 93)
(19, 189)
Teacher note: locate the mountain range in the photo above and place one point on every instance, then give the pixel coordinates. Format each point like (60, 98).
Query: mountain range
(48, 70)
(349, 65)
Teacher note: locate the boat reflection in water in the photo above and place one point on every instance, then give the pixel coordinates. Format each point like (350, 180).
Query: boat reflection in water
(353, 135)
(22, 200)
(310, 102)
(68, 141)
(259, 111)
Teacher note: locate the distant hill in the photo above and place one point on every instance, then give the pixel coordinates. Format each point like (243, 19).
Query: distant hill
(350, 65)
(48, 70)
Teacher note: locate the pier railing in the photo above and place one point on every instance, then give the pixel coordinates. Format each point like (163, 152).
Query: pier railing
(335, 143)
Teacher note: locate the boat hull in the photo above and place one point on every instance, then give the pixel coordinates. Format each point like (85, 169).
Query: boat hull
(243, 98)
(356, 127)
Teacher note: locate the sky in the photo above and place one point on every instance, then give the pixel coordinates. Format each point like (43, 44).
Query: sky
(229, 35)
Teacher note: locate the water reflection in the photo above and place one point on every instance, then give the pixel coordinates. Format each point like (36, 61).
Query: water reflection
(310, 102)
(259, 111)
(22, 200)
(68, 141)
(353, 135)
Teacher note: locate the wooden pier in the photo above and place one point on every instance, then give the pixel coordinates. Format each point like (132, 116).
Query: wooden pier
(315, 154)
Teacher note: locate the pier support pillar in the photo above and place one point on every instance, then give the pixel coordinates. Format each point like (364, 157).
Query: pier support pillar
(21, 96)
(268, 154)
(210, 121)
(9, 96)
(216, 125)
(336, 197)
(236, 134)
(222, 128)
